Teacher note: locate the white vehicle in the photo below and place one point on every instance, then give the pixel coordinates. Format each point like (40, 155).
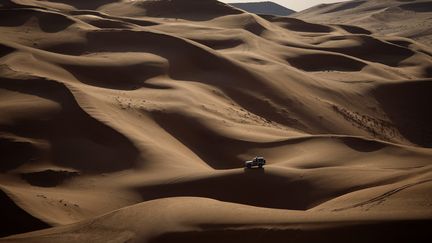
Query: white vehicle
(257, 162)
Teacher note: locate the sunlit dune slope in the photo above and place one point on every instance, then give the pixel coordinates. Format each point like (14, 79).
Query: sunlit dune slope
(407, 18)
(131, 120)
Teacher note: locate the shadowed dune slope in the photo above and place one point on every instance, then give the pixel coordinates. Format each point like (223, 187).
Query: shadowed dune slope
(48, 22)
(87, 145)
(14, 216)
(265, 7)
(208, 222)
(197, 10)
(397, 101)
(131, 121)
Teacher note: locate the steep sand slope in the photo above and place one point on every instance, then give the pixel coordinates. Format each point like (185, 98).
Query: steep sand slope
(265, 7)
(407, 18)
(144, 111)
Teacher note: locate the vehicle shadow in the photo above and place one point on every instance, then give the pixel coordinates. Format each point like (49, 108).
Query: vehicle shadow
(255, 170)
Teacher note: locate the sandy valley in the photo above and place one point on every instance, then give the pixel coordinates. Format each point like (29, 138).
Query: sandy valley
(131, 121)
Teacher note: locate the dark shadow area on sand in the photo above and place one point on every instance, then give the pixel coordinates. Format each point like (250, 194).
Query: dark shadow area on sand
(408, 105)
(355, 232)
(15, 220)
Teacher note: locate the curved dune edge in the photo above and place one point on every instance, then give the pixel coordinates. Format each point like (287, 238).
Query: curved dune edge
(404, 18)
(119, 109)
(15, 216)
(190, 218)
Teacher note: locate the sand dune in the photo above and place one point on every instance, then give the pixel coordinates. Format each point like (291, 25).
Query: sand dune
(265, 7)
(410, 18)
(204, 219)
(131, 121)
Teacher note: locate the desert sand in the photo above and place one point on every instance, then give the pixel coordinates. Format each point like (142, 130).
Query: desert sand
(263, 7)
(406, 18)
(130, 121)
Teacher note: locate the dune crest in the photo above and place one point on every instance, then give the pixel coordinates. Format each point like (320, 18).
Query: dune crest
(131, 121)
(409, 19)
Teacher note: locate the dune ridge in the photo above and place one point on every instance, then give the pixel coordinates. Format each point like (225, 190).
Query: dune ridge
(143, 112)
(409, 19)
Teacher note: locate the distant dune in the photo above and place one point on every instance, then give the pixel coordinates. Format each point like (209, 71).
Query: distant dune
(130, 121)
(406, 18)
(270, 8)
